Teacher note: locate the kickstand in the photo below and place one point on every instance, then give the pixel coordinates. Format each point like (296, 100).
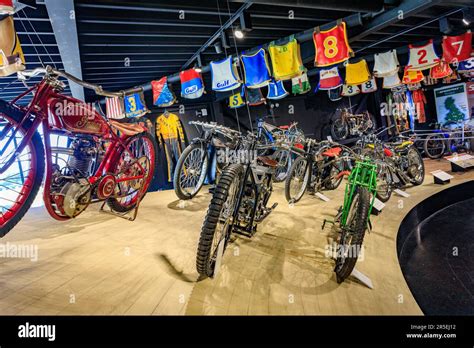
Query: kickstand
(324, 223)
(130, 215)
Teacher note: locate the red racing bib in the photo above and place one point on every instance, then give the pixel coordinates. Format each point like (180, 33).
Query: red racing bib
(331, 46)
(457, 48)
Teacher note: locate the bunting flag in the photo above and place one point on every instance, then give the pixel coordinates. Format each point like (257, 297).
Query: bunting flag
(114, 108)
(135, 105)
(162, 95)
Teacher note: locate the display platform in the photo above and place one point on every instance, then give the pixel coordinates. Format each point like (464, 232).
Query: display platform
(435, 244)
(100, 264)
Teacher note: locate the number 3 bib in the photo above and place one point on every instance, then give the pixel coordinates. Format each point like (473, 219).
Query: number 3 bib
(422, 57)
(331, 46)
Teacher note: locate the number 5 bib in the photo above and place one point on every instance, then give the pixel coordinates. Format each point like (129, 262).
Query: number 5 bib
(331, 46)
(422, 57)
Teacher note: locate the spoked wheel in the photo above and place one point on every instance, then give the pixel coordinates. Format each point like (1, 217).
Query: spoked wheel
(434, 146)
(416, 166)
(283, 158)
(334, 179)
(20, 182)
(297, 180)
(217, 225)
(339, 129)
(384, 180)
(191, 171)
(352, 235)
(139, 160)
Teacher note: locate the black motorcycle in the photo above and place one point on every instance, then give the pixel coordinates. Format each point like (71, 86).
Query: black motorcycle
(320, 165)
(197, 159)
(239, 204)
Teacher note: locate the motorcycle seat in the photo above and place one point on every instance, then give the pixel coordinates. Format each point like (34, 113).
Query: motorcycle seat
(284, 127)
(129, 129)
(332, 152)
(267, 161)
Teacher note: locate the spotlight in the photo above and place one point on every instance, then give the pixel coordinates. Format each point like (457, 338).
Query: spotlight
(467, 16)
(238, 33)
(218, 47)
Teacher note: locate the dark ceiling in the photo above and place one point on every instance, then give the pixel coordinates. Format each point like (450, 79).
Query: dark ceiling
(152, 37)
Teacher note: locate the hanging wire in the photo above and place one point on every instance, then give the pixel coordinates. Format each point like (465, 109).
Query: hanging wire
(237, 55)
(39, 38)
(31, 39)
(225, 52)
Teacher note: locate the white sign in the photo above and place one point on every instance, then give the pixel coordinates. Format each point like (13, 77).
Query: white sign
(442, 175)
(451, 103)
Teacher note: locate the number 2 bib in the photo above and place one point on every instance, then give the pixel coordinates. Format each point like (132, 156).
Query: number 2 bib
(422, 57)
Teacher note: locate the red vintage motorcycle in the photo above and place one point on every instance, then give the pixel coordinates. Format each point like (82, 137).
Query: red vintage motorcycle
(105, 160)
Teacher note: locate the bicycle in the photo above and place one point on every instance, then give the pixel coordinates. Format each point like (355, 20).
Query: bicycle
(238, 205)
(107, 160)
(195, 162)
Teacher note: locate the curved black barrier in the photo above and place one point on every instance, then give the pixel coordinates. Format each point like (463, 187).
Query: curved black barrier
(435, 247)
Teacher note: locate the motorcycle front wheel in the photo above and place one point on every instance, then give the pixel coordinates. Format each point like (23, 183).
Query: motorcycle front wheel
(191, 171)
(217, 225)
(20, 183)
(297, 180)
(339, 130)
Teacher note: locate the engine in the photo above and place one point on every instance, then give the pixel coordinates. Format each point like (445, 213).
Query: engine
(70, 187)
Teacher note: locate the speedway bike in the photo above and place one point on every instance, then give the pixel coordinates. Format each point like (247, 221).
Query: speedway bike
(449, 138)
(106, 160)
(195, 163)
(319, 165)
(398, 163)
(238, 205)
(352, 124)
(269, 134)
(353, 218)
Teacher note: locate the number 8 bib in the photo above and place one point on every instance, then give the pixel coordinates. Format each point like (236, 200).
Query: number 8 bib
(331, 46)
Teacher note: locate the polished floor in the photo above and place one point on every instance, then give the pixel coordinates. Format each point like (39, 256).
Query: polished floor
(101, 264)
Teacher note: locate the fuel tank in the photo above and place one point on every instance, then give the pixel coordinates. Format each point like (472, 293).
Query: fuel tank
(73, 115)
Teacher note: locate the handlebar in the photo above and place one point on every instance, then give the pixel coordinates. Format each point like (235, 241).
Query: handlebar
(49, 71)
(221, 129)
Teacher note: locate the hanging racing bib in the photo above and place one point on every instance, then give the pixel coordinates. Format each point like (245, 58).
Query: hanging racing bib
(254, 97)
(256, 69)
(135, 105)
(457, 48)
(357, 73)
(331, 46)
(412, 76)
(225, 76)
(369, 86)
(350, 90)
(300, 84)
(441, 70)
(386, 64)
(286, 60)
(162, 95)
(235, 100)
(192, 86)
(329, 79)
(422, 57)
(391, 81)
(276, 90)
(12, 59)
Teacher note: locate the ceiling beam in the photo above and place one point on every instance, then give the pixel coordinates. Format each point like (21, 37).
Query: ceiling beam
(65, 30)
(407, 8)
(218, 33)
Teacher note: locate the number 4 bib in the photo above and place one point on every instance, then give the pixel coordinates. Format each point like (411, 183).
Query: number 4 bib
(331, 46)
(422, 57)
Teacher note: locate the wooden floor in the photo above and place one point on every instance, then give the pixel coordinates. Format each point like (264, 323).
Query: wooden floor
(101, 264)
